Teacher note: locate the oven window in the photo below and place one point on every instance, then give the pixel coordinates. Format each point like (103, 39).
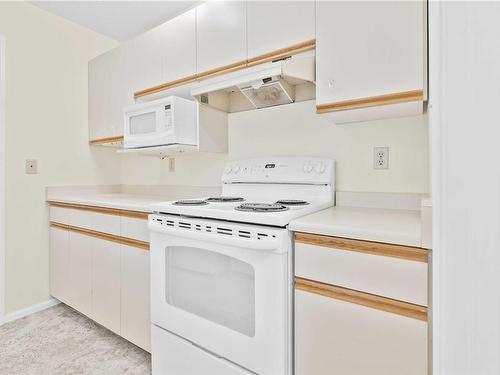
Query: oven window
(213, 286)
(142, 124)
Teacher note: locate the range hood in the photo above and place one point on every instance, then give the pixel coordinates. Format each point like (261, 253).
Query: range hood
(266, 85)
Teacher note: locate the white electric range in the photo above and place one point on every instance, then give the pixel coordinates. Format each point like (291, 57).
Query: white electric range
(221, 268)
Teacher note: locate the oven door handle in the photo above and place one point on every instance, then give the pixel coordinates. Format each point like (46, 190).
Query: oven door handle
(271, 244)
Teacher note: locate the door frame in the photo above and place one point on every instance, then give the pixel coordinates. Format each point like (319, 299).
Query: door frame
(2, 177)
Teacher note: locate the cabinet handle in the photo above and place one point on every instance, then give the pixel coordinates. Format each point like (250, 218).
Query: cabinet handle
(390, 305)
(375, 248)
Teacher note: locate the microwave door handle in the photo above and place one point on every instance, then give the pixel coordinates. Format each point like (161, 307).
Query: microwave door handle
(214, 237)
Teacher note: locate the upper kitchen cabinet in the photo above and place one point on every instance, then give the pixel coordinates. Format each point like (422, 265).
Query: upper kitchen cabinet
(99, 97)
(371, 59)
(221, 35)
(109, 91)
(165, 55)
(274, 25)
(179, 52)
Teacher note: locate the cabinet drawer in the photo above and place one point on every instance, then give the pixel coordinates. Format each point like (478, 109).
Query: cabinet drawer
(382, 275)
(135, 228)
(93, 218)
(97, 221)
(59, 214)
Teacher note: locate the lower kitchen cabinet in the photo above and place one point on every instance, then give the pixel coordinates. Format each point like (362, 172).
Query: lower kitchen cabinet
(135, 320)
(99, 265)
(59, 264)
(80, 272)
(360, 307)
(106, 283)
(337, 337)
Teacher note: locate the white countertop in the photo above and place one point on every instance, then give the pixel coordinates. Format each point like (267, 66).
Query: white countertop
(121, 201)
(401, 227)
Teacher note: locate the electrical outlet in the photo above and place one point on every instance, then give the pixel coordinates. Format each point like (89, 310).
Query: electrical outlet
(171, 164)
(381, 158)
(31, 166)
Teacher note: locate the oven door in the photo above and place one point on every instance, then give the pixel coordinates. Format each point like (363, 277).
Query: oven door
(224, 287)
(148, 126)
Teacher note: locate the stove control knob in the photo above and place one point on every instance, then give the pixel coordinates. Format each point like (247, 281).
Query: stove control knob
(228, 169)
(236, 168)
(320, 168)
(308, 168)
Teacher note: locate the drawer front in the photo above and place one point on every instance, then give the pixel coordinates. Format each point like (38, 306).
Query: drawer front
(100, 222)
(59, 214)
(134, 228)
(386, 276)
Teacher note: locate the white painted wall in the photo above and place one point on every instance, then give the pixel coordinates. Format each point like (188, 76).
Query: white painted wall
(46, 119)
(297, 130)
(465, 139)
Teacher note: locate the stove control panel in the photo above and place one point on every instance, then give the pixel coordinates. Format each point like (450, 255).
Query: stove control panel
(308, 170)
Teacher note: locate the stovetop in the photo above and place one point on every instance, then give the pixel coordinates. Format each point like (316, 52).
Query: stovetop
(267, 191)
(254, 210)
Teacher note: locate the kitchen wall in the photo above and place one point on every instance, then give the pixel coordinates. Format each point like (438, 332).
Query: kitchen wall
(296, 130)
(46, 119)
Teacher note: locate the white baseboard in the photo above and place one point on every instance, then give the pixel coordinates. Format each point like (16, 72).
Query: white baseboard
(29, 310)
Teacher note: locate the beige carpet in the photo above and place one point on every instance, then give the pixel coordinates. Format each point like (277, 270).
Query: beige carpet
(59, 340)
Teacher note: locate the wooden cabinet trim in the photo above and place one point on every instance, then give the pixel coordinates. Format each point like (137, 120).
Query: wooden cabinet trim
(100, 141)
(407, 309)
(372, 101)
(278, 54)
(165, 86)
(375, 248)
(102, 210)
(102, 236)
(283, 52)
(222, 70)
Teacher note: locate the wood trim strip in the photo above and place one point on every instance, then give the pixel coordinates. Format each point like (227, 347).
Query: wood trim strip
(102, 210)
(375, 248)
(283, 52)
(100, 141)
(278, 54)
(222, 70)
(390, 305)
(103, 236)
(372, 101)
(164, 86)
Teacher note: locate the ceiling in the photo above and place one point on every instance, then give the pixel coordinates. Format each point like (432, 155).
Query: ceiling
(118, 20)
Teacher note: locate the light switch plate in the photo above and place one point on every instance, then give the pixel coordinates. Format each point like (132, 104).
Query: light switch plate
(31, 166)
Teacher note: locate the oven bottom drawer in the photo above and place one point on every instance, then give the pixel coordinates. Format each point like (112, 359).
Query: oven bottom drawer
(172, 355)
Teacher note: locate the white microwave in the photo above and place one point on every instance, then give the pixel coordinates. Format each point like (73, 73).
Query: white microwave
(166, 121)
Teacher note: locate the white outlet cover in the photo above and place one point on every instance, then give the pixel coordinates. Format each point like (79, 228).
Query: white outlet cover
(381, 158)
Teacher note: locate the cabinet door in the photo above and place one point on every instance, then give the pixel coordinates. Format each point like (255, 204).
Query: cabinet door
(80, 272)
(99, 97)
(59, 264)
(110, 90)
(163, 54)
(143, 60)
(178, 49)
(368, 48)
(106, 283)
(221, 34)
(135, 319)
(273, 25)
(337, 337)
(121, 78)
